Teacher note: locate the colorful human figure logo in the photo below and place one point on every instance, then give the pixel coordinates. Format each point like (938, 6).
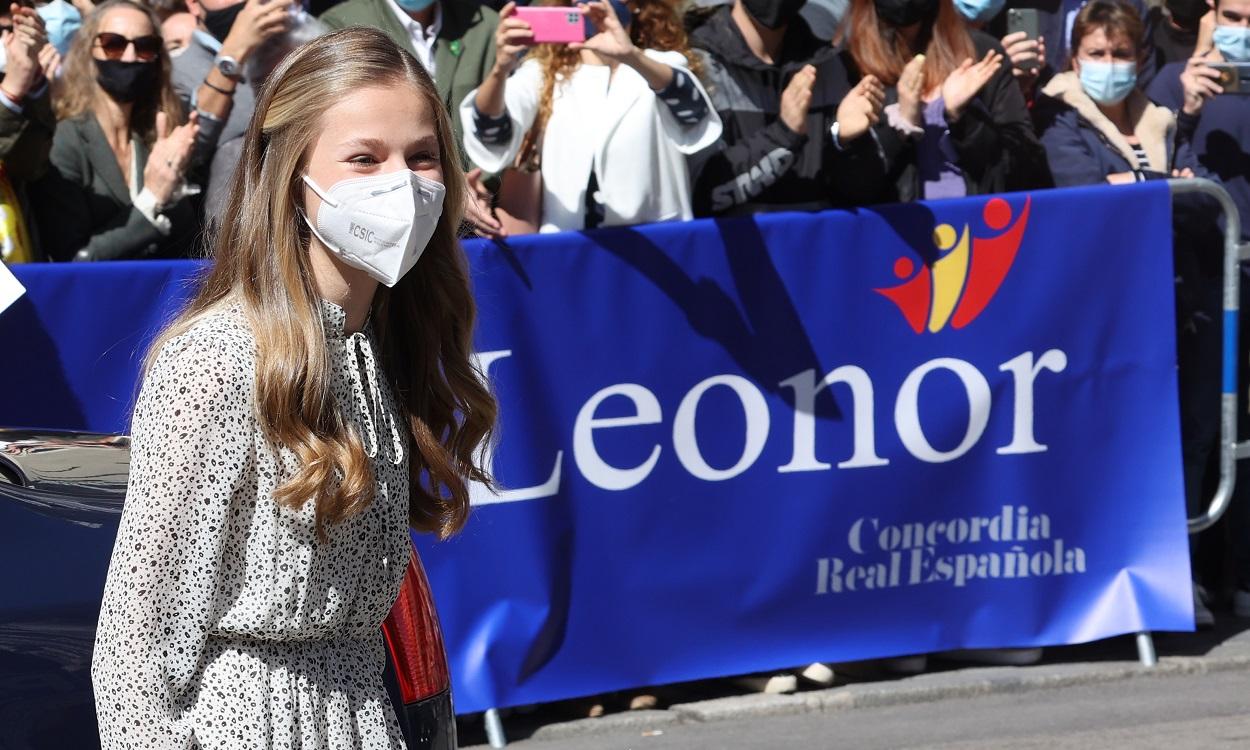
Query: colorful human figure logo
(960, 283)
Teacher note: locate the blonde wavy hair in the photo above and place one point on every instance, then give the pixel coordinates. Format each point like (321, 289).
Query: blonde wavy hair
(657, 25)
(424, 324)
(76, 91)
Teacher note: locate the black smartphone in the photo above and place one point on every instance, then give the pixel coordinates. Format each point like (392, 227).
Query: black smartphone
(1029, 21)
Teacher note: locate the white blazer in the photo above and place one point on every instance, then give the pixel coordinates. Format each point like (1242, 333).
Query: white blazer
(616, 126)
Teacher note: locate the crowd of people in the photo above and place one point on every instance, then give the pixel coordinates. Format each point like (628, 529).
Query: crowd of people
(121, 124)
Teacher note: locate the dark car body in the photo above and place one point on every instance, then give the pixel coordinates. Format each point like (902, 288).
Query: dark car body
(61, 497)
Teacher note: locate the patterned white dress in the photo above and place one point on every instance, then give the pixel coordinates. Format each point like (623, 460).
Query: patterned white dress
(225, 624)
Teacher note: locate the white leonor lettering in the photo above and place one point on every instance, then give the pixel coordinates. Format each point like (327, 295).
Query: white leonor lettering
(647, 410)
(907, 410)
(479, 494)
(592, 466)
(686, 444)
(863, 438)
(1024, 374)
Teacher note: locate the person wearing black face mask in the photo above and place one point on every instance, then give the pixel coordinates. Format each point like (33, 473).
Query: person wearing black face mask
(209, 73)
(1175, 29)
(796, 132)
(115, 188)
(956, 121)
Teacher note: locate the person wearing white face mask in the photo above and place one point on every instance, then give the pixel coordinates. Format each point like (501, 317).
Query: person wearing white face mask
(454, 42)
(315, 401)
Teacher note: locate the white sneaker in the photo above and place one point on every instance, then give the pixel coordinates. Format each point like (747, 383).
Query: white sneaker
(1241, 603)
(771, 684)
(817, 673)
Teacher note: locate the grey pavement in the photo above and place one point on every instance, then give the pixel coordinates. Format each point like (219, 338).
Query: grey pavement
(1178, 712)
(1095, 695)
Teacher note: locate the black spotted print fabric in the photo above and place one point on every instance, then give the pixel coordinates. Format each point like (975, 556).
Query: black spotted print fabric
(226, 624)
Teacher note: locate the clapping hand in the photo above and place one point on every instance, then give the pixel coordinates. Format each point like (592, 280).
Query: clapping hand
(22, 48)
(796, 99)
(911, 91)
(50, 62)
(966, 81)
(860, 109)
(167, 161)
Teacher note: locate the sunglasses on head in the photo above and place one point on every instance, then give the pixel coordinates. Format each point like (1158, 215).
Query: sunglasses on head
(114, 46)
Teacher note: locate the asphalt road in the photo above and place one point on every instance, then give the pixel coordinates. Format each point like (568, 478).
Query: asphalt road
(1167, 713)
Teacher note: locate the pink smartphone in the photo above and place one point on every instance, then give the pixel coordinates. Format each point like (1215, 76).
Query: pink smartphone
(554, 24)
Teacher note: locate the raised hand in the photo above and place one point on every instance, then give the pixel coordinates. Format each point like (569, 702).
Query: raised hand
(22, 47)
(1199, 81)
(49, 62)
(611, 41)
(512, 37)
(257, 23)
(167, 161)
(966, 81)
(911, 91)
(1025, 54)
(797, 99)
(860, 108)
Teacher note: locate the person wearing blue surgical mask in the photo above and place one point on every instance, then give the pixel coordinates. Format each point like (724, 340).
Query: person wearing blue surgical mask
(62, 21)
(1096, 124)
(1099, 128)
(1220, 120)
(1232, 31)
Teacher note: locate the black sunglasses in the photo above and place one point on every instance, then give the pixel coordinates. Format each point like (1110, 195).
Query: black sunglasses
(147, 48)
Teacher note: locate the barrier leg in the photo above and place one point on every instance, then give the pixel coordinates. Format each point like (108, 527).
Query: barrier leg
(1146, 650)
(494, 728)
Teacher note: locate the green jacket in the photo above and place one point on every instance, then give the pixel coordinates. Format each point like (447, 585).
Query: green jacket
(25, 141)
(463, 55)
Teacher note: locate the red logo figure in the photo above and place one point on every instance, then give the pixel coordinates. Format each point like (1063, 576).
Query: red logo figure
(964, 280)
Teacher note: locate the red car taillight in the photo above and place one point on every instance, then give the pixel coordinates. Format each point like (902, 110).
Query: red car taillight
(415, 639)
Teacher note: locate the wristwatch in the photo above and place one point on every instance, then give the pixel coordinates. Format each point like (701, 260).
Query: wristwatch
(228, 67)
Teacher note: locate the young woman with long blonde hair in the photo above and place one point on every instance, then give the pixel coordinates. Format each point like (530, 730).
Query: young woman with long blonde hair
(315, 400)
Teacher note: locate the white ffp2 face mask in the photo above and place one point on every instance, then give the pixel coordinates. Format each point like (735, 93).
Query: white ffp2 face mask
(380, 223)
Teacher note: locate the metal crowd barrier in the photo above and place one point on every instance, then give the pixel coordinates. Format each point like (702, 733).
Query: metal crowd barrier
(1230, 450)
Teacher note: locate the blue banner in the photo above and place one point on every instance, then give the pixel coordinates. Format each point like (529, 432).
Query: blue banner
(747, 444)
